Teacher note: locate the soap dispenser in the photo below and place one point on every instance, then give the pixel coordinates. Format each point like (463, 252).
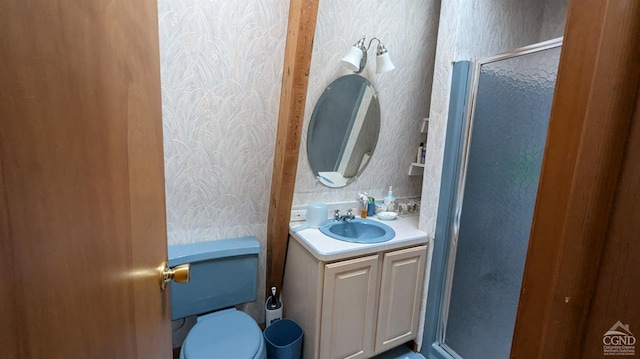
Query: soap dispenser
(390, 201)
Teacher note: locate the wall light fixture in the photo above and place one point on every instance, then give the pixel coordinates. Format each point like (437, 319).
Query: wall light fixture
(356, 59)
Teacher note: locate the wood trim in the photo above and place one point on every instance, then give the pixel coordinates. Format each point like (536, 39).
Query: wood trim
(293, 95)
(592, 109)
(11, 312)
(617, 290)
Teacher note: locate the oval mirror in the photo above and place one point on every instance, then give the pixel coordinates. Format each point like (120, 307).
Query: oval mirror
(343, 131)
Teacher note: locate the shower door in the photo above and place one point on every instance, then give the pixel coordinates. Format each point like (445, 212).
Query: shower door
(501, 159)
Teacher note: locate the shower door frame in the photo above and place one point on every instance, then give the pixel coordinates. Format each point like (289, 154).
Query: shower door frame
(439, 345)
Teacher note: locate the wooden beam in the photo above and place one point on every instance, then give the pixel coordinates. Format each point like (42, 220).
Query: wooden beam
(293, 95)
(592, 109)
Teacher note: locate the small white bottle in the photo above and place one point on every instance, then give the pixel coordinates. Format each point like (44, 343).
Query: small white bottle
(419, 155)
(390, 201)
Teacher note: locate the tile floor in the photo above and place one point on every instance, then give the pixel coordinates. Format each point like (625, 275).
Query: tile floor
(402, 352)
(397, 353)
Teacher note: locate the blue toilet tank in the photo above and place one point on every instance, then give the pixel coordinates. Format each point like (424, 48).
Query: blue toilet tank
(224, 273)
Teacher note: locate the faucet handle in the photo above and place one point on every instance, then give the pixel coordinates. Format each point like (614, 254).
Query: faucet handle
(336, 214)
(350, 212)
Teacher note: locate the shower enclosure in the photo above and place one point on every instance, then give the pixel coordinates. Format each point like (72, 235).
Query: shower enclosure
(485, 218)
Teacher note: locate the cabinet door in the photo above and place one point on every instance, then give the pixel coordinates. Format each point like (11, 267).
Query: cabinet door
(348, 308)
(400, 294)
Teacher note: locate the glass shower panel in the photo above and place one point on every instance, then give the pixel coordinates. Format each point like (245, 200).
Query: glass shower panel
(508, 133)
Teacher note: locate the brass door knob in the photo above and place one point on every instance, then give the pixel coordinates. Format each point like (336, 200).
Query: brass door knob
(178, 274)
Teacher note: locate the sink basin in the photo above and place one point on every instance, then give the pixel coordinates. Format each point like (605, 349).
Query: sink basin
(359, 231)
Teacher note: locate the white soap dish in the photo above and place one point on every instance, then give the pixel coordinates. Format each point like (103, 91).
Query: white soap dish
(387, 216)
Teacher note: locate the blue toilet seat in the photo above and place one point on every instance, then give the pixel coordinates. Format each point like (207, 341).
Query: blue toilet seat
(225, 334)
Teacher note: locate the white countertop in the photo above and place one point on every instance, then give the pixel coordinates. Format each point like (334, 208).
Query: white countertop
(327, 249)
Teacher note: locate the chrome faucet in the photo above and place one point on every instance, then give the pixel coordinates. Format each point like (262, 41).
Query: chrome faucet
(347, 217)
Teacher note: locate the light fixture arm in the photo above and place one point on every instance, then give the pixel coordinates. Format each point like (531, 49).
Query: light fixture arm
(370, 41)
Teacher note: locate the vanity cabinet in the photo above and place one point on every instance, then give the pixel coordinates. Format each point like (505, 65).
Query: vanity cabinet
(355, 307)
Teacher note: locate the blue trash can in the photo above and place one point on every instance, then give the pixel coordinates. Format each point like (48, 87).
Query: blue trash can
(284, 340)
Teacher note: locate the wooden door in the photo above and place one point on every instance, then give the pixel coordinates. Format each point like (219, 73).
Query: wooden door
(400, 294)
(616, 288)
(349, 303)
(82, 213)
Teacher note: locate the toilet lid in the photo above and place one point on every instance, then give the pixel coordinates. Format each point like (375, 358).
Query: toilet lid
(225, 334)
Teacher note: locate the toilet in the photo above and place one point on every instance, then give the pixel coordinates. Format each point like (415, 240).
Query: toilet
(224, 273)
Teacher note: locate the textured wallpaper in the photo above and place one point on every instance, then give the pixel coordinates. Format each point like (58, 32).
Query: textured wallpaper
(553, 19)
(473, 29)
(408, 29)
(221, 68)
